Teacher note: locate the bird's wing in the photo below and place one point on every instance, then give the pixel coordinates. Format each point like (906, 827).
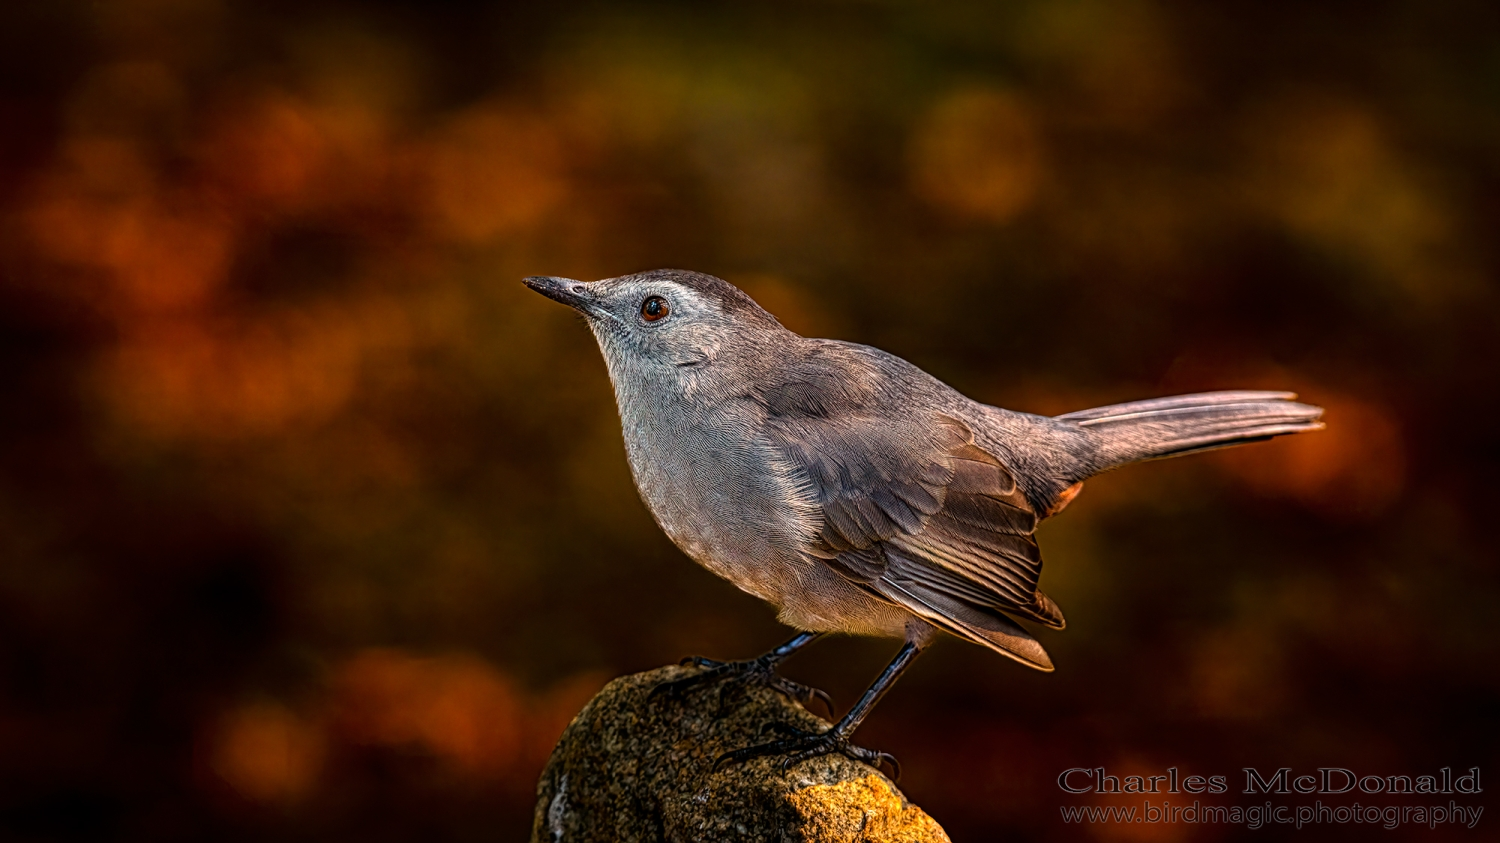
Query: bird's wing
(918, 514)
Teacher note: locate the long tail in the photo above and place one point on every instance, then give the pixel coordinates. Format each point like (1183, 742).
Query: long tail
(1182, 424)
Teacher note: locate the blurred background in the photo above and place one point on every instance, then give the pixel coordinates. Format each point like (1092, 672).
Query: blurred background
(316, 525)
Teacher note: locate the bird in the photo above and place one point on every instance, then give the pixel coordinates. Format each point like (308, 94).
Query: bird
(852, 490)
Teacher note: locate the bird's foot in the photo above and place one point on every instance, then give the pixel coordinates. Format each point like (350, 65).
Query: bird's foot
(801, 746)
(740, 675)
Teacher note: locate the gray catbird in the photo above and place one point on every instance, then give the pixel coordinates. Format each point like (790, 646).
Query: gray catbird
(852, 490)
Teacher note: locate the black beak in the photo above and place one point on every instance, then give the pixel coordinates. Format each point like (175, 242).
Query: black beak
(564, 290)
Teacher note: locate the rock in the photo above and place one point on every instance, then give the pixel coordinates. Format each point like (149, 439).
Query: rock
(629, 768)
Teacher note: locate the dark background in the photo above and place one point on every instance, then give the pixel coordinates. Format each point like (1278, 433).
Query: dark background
(316, 525)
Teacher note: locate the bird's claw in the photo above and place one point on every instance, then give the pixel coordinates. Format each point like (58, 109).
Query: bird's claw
(803, 694)
(709, 671)
(804, 746)
(753, 672)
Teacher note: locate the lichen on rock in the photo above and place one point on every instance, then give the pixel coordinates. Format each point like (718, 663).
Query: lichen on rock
(631, 767)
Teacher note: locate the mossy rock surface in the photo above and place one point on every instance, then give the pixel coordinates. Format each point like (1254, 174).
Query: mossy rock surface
(632, 768)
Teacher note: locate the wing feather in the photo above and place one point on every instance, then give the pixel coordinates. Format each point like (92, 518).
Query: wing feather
(919, 514)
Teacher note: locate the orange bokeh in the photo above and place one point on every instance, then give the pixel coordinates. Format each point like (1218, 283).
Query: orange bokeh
(979, 154)
(455, 707)
(267, 753)
(1354, 469)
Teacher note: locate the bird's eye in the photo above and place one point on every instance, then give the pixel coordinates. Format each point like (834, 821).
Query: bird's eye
(654, 308)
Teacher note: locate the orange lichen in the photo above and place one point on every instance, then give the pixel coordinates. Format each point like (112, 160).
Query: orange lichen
(861, 811)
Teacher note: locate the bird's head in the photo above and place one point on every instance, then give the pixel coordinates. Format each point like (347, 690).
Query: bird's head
(666, 322)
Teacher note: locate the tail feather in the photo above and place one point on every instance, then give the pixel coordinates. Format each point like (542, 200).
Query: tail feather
(1167, 427)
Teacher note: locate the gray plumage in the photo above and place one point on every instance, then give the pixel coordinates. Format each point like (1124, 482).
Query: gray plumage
(846, 486)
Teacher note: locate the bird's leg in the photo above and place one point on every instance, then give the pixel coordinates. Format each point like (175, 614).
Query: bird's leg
(759, 671)
(801, 745)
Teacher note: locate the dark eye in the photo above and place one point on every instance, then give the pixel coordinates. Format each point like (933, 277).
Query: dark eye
(654, 308)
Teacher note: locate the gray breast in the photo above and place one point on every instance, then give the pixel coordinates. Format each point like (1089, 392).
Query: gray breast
(719, 491)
